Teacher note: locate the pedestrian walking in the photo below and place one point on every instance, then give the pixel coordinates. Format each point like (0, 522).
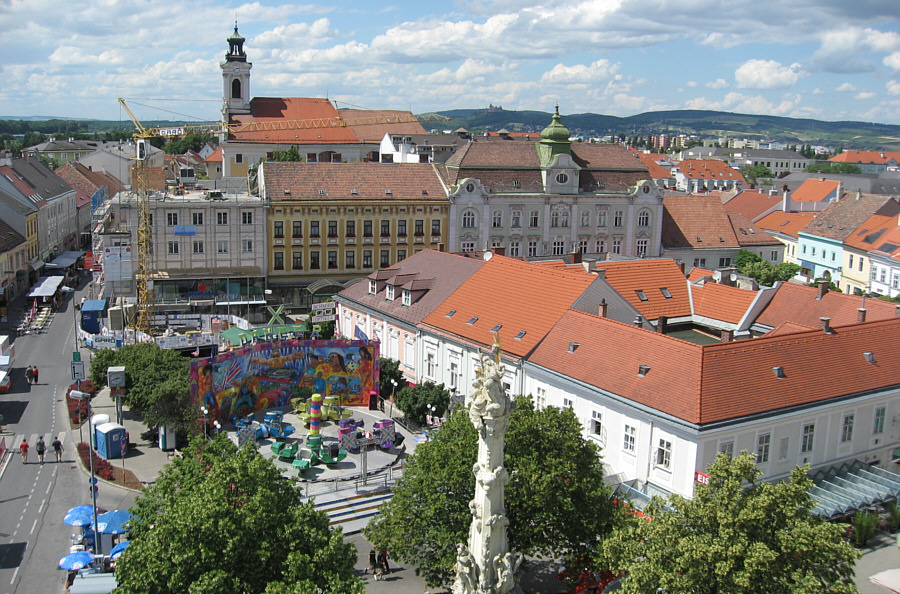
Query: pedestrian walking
(29, 375)
(57, 448)
(23, 448)
(40, 447)
(373, 562)
(383, 560)
(35, 375)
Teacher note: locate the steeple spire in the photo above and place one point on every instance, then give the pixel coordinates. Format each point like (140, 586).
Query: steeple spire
(236, 46)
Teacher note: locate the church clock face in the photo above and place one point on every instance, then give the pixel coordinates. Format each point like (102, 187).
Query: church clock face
(236, 69)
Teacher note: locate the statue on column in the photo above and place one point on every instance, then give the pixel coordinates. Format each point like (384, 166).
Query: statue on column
(485, 565)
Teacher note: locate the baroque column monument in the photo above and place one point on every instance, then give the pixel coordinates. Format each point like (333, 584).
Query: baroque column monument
(486, 565)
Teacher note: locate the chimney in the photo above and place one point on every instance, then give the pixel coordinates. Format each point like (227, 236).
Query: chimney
(779, 372)
(861, 315)
(604, 307)
(440, 247)
(662, 324)
(639, 321)
(823, 288)
(826, 325)
(576, 256)
(727, 336)
(601, 272)
(786, 200)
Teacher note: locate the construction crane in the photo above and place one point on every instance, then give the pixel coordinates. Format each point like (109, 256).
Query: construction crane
(146, 269)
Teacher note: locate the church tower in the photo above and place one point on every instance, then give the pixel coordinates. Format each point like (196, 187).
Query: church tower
(235, 78)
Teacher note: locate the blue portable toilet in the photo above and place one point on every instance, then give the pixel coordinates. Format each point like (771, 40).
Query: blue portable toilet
(92, 312)
(109, 441)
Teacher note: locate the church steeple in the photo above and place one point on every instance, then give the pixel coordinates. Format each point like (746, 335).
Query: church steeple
(235, 78)
(554, 141)
(235, 47)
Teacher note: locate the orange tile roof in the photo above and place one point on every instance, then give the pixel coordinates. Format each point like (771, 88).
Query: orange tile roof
(798, 303)
(709, 169)
(751, 203)
(708, 384)
(696, 221)
(650, 277)
(215, 156)
(370, 125)
(721, 302)
(294, 120)
(872, 232)
(536, 298)
(656, 170)
(748, 234)
(789, 223)
(815, 190)
(890, 244)
(697, 273)
(862, 157)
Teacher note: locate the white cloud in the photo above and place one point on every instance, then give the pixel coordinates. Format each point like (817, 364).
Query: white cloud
(866, 95)
(741, 103)
(893, 87)
(892, 61)
(844, 49)
(294, 35)
(580, 73)
(845, 88)
(767, 74)
(691, 84)
(719, 83)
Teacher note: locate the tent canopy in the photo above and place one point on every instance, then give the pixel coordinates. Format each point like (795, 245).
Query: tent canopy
(46, 286)
(65, 259)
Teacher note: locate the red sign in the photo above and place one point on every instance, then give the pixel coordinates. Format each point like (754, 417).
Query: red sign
(701, 478)
(88, 260)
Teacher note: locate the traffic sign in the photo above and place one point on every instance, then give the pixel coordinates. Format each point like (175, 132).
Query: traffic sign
(93, 480)
(93, 489)
(76, 356)
(78, 370)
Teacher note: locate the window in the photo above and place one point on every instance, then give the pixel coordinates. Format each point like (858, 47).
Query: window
(350, 259)
(601, 218)
(814, 252)
(641, 295)
(198, 247)
(630, 433)
(429, 365)
(617, 219)
(497, 219)
(389, 292)
(173, 248)
(332, 228)
(585, 218)
(533, 219)
(554, 219)
(762, 448)
(385, 228)
(773, 255)
(297, 260)
(847, 429)
(860, 264)
(279, 261)
(784, 448)
(727, 448)
(198, 218)
(468, 220)
(246, 218)
(567, 402)
(666, 292)
(419, 227)
(367, 258)
(643, 218)
(297, 229)
(516, 219)
(601, 246)
(332, 260)
(882, 275)
(435, 226)
(532, 249)
(596, 423)
(700, 262)
(314, 260)
(514, 249)
(467, 246)
(367, 228)
(582, 246)
(879, 420)
(372, 286)
(806, 443)
(559, 247)
(314, 229)
(222, 219)
(221, 247)
(664, 453)
(238, 158)
(171, 219)
(561, 178)
(723, 262)
(641, 247)
(247, 246)
(401, 227)
(617, 245)
(351, 228)
(407, 297)
(385, 258)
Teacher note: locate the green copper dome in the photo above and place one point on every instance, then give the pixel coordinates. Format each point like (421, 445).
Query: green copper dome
(556, 131)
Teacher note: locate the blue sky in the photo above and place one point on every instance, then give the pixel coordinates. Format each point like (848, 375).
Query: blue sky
(822, 59)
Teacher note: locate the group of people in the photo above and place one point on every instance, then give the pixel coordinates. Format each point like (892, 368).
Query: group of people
(40, 447)
(31, 374)
(378, 563)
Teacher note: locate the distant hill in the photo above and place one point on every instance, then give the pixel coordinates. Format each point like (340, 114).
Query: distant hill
(859, 135)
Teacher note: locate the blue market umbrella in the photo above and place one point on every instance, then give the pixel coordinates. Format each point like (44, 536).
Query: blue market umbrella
(117, 550)
(76, 560)
(113, 522)
(81, 515)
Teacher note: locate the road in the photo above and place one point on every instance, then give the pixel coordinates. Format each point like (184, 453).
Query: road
(34, 498)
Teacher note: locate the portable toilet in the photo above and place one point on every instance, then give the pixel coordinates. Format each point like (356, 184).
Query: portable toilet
(91, 313)
(109, 441)
(96, 421)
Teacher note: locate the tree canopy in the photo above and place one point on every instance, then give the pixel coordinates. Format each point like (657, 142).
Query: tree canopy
(765, 273)
(556, 501)
(415, 400)
(737, 535)
(226, 520)
(755, 174)
(389, 369)
(156, 383)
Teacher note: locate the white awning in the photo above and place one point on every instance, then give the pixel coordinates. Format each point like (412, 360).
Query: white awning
(46, 286)
(65, 259)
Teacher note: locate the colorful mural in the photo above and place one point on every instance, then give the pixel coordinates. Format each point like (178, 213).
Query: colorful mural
(267, 375)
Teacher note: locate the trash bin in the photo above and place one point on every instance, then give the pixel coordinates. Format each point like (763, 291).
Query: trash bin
(373, 401)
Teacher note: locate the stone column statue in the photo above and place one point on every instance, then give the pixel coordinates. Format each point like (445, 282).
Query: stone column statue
(485, 565)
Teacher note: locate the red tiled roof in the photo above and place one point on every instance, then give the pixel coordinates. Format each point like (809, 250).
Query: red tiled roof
(748, 234)
(751, 203)
(708, 384)
(862, 157)
(789, 223)
(696, 221)
(550, 292)
(798, 303)
(81, 178)
(285, 180)
(890, 244)
(314, 121)
(841, 218)
(215, 156)
(721, 302)
(871, 232)
(709, 169)
(650, 277)
(697, 273)
(815, 190)
(370, 125)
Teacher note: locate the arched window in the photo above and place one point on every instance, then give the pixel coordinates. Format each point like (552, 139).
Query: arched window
(644, 218)
(468, 219)
(236, 89)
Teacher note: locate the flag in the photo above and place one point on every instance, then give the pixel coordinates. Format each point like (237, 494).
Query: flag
(359, 334)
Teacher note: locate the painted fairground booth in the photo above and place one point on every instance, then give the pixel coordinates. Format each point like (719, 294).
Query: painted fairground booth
(268, 375)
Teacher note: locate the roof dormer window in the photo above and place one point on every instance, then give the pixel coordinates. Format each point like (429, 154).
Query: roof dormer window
(407, 297)
(641, 295)
(373, 287)
(472, 321)
(389, 292)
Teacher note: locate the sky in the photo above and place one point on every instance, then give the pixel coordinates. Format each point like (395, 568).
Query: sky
(823, 59)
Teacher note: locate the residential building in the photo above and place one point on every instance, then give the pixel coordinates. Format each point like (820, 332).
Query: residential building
(697, 175)
(755, 239)
(780, 162)
(869, 161)
(858, 275)
(21, 214)
(785, 226)
(60, 152)
(96, 186)
(13, 258)
(336, 222)
(697, 232)
(418, 148)
(389, 304)
(117, 158)
(552, 197)
(658, 166)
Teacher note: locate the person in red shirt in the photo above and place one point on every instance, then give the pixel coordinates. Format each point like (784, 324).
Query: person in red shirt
(23, 447)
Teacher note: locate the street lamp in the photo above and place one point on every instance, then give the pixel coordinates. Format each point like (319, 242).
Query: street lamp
(205, 412)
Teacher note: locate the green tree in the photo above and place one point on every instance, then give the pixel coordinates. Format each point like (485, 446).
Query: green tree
(834, 168)
(556, 500)
(414, 401)
(756, 174)
(156, 383)
(745, 257)
(738, 534)
(765, 273)
(389, 369)
(227, 520)
(292, 154)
